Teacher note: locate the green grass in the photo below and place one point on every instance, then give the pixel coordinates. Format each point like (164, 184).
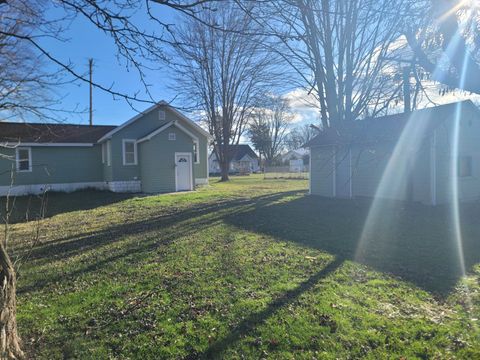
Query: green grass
(248, 269)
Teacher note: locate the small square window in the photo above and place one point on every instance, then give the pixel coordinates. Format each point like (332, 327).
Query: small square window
(464, 166)
(172, 136)
(161, 114)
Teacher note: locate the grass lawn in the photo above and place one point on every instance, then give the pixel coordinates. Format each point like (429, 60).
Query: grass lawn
(248, 269)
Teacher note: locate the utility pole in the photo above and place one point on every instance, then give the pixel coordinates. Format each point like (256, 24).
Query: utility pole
(90, 66)
(406, 72)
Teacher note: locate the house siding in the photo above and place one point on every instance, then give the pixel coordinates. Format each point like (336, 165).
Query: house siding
(425, 165)
(148, 123)
(322, 171)
(157, 157)
(72, 167)
(368, 167)
(55, 165)
(468, 145)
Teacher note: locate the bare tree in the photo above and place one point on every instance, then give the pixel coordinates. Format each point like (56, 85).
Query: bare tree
(300, 135)
(444, 37)
(268, 127)
(338, 50)
(26, 89)
(223, 72)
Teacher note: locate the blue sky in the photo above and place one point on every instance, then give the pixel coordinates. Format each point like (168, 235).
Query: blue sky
(85, 41)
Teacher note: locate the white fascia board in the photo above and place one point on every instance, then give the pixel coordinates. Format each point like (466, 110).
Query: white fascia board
(156, 132)
(246, 157)
(133, 119)
(188, 120)
(186, 131)
(151, 108)
(166, 126)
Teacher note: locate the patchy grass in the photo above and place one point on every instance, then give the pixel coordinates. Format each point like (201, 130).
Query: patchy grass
(252, 268)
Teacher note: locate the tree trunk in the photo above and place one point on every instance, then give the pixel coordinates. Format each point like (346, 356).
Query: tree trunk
(9, 339)
(224, 166)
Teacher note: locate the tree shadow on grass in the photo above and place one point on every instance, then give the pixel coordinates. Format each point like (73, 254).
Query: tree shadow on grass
(158, 231)
(249, 324)
(417, 245)
(28, 207)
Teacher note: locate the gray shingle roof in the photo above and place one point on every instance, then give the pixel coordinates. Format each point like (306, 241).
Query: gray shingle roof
(237, 152)
(389, 128)
(51, 133)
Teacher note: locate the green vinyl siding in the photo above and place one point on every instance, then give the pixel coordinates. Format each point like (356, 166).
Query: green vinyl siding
(157, 157)
(140, 128)
(107, 168)
(53, 165)
(201, 169)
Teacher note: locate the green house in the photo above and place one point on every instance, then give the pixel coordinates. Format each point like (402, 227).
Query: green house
(430, 156)
(159, 150)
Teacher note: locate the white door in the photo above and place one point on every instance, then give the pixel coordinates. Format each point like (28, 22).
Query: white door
(183, 171)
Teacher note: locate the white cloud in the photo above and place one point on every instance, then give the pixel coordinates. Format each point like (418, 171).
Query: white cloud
(303, 106)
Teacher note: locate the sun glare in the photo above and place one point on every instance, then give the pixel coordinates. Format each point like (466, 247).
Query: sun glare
(462, 4)
(381, 221)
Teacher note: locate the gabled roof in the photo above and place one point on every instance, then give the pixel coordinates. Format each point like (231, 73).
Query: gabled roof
(389, 128)
(237, 152)
(152, 108)
(36, 133)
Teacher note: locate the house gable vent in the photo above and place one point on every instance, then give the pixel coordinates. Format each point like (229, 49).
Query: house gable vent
(161, 115)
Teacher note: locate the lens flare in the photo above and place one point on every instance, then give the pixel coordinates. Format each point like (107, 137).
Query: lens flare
(381, 220)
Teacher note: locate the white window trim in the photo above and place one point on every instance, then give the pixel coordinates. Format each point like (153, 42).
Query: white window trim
(109, 158)
(17, 158)
(196, 155)
(135, 160)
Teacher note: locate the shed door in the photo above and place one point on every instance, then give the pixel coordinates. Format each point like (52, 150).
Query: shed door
(183, 171)
(343, 175)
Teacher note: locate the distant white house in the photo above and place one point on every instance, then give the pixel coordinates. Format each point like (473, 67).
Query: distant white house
(242, 160)
(296, 154)
(295, 160)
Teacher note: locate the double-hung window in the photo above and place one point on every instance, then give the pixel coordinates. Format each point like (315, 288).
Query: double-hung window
(24, 159)
(129, 152)
(196, 156)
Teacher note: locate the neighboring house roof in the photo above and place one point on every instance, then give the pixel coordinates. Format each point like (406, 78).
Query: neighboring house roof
(297, 153)
(237, 152)
(35, 133)
(152, 108)
(389, 128)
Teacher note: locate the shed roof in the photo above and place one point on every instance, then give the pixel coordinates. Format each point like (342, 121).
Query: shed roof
(15, 132)
(389, 128)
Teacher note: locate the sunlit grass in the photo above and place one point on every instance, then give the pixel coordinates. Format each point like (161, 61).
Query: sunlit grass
(249, 268)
